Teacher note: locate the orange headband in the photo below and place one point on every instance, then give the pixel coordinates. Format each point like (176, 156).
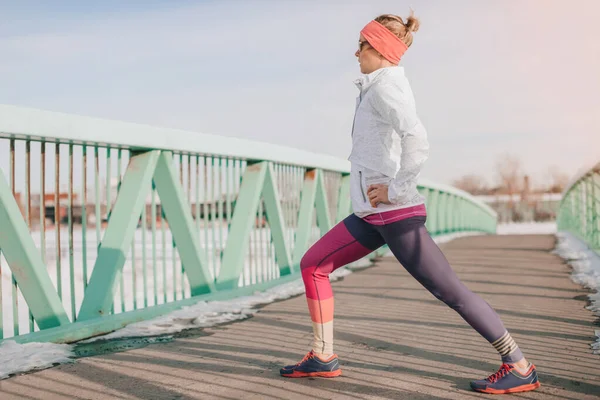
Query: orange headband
(384, 41)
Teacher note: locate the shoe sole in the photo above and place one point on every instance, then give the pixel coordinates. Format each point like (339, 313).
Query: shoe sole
(518, 389)
(321, 374)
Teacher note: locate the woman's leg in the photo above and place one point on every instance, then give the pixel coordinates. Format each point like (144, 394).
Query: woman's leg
(348, 241)
(419, 254)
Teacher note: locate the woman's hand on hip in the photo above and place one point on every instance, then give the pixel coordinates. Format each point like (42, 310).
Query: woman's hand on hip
(378, 194)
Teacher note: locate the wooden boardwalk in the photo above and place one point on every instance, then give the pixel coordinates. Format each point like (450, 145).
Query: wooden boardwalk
(394, 339)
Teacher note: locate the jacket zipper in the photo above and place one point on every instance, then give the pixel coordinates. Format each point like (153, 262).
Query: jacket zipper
(362, 191)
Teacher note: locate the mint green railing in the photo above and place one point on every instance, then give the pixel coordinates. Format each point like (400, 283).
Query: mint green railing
(104, 223)
(579, 211)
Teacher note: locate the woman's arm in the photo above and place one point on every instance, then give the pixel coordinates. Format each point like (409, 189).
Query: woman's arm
(415, 151)
(394, 106)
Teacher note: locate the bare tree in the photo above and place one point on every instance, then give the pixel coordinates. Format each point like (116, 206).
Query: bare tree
(509, 170)
(472, 183)
(558, 179)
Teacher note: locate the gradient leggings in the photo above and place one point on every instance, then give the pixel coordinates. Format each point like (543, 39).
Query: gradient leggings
(412, 245)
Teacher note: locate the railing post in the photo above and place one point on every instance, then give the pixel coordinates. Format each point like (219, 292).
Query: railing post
(313, 194)
(439, 212)
(344, 200)
(432, 211)
(305, 215)
(595, 202)
(456, 208)
(178, 213)
(448, 211)
(582, 209)
(321, 205)
(242, 222)
(571, 210)
(26, 263)
(117, 239)
(276, 222)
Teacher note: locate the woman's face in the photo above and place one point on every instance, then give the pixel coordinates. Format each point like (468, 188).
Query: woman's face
(368, 58)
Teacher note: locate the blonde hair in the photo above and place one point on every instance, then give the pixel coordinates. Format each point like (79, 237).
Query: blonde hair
(396, 25)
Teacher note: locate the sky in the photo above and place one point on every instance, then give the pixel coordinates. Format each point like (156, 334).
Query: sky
(490, 78)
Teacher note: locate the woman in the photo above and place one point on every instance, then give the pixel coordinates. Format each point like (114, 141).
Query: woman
(389, 147)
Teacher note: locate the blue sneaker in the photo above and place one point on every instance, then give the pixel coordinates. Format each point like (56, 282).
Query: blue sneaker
(508, 380)
(312, 366)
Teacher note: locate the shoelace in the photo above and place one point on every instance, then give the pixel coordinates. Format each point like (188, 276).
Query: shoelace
(504, 369)
(308, 356)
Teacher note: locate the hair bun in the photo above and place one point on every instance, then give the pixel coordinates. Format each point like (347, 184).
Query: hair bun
(412, 23)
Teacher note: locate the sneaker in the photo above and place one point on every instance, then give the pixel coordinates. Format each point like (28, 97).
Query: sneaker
(312, 366)
(508, 380)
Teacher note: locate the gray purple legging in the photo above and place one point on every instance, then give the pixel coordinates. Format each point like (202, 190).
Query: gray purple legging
(410, 242)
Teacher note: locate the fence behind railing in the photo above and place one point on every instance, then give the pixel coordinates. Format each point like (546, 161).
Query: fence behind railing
(105, 223)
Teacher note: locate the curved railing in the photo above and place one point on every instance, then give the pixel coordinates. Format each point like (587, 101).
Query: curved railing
(579, 211)
(104, 223)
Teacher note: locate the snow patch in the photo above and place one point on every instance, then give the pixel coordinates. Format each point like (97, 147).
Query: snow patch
(451, 236)
(16, 358)
(527, 228)
(586, 271)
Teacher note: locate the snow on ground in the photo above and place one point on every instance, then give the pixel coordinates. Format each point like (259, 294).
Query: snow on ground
(527, 228)
(586, 270)
(448, 238)
(18, 358)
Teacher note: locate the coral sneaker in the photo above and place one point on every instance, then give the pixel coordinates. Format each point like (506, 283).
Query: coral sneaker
(508, 380)
(313, 366)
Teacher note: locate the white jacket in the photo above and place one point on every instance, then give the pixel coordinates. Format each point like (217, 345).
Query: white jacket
(389, 142)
